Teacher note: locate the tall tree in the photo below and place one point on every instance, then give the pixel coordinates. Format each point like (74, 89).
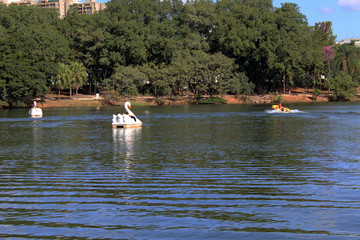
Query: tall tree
(63, 77)
(293, 29)
(31, 44)
(78, 76)
(245, 31)
(325, 32)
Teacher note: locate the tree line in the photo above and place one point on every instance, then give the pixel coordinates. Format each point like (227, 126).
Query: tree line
(163, 48)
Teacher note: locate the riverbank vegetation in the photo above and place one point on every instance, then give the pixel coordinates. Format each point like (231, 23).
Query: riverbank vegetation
(168, 48)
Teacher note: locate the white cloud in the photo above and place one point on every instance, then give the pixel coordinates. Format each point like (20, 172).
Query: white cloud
(350, 4)
(326, 10)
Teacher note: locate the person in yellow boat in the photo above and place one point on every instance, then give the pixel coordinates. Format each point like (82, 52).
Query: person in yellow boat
(281, 107)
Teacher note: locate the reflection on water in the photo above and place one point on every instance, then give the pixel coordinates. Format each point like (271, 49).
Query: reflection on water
(124, 141)
(36, 142)
(192, 172)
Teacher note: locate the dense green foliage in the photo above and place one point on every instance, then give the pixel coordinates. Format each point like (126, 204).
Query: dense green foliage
(171, 48)
(31, 43)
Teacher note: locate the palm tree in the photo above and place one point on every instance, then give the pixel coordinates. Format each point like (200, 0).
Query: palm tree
(346, 58)
(62, 79)
(78, 76)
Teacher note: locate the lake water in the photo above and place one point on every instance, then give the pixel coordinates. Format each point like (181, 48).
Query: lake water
(191, 172)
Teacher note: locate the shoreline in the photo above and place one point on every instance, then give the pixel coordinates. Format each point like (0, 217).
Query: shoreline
(65, 101)
(52, 101)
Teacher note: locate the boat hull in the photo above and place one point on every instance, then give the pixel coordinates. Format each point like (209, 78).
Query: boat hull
(126, 125)
(36, 112)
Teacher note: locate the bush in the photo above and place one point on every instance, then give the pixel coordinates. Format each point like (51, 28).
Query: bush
(278, 98)
(211, 100)
(344, 87)
(317, 92)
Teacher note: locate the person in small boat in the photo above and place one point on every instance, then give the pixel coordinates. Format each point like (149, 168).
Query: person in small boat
(281, 107)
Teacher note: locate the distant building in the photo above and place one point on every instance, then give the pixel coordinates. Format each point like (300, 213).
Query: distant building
(18, 2)
(63, 6)
(90, 7)
(51, 4)
(349, 40)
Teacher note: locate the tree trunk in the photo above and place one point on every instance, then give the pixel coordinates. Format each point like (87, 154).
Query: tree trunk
(329, 79)
(283, 80)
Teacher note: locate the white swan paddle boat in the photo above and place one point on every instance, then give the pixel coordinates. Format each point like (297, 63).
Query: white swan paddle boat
(126, 120)
(35, 112)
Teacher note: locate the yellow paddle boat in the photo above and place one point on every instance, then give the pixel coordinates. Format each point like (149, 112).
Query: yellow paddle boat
(281, 109)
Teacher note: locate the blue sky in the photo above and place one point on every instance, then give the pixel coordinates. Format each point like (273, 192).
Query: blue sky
(344, 14)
